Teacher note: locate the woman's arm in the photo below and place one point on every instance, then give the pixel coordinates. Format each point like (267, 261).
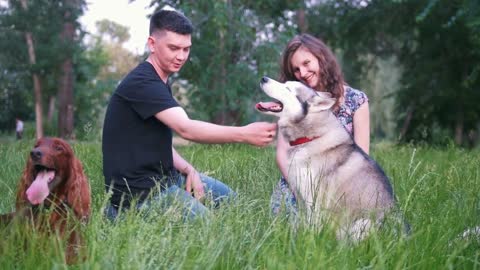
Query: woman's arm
(361, 127)
(281, 155)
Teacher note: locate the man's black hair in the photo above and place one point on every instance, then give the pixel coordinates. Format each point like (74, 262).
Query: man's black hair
(170, 20)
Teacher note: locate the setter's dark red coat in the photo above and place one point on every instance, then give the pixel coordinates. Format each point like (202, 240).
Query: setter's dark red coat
(68, 192)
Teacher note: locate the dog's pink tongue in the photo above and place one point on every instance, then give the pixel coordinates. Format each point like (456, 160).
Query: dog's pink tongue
(38, 190)
(270, 105)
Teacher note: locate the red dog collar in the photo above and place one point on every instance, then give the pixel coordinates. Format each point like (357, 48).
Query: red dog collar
(302, 140)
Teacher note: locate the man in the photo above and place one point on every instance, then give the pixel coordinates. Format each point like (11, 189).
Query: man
(19, 128)
(137, 135)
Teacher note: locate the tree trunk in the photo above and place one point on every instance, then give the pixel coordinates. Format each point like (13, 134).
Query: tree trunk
(37, 87)
(406, 123)
(51, 109)
(221, 116)
(459, 129)
(65, 90)
(301, 20)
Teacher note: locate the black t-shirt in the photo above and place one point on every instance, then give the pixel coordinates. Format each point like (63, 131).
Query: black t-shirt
(137, 147)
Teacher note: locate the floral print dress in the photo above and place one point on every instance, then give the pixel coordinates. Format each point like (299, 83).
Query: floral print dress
(282, 195)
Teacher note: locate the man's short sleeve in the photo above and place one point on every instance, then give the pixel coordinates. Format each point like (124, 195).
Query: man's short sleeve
(146, 93)
(149, 102)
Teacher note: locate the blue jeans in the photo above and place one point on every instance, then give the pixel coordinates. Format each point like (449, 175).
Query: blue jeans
(215, 192)
(283, 199)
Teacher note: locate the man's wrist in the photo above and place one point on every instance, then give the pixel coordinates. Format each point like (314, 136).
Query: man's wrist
(242, 137)
(187, 170)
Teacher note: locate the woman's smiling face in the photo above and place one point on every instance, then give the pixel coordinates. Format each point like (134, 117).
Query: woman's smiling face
(305, 67)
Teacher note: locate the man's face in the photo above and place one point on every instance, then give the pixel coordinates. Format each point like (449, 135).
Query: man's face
(169, 50)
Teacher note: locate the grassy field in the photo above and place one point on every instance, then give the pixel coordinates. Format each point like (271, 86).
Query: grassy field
(437, 189)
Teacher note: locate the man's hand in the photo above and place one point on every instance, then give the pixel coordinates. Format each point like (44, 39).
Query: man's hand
(260, 133)
(193, 183)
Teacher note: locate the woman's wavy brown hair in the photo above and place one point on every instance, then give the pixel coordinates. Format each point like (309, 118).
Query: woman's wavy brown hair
(330, 75)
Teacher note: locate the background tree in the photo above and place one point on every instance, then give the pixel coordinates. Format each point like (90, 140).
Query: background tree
(15, 77)
(52, 47)
(418, 61)
(433, 41)
(111, 37)
(101, 67)
(234, 44)
(112, 32)
(24, 11)
(72, 9)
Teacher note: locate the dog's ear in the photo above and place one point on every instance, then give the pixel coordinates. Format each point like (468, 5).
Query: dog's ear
(321, 103)
(78, 191)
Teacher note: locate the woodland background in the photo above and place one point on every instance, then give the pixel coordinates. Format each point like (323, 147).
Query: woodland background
(417, 60)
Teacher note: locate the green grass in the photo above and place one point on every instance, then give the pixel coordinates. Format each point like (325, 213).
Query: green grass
(437, 189)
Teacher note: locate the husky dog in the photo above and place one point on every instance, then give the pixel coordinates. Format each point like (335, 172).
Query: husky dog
(329, 174)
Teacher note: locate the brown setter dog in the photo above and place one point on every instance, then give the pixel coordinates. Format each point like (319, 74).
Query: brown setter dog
(52, 186)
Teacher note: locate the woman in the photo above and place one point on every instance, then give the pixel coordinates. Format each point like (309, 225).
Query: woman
(308, 60)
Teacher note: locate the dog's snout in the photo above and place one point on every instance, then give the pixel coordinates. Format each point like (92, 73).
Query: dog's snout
(264, 79)
(36, 154)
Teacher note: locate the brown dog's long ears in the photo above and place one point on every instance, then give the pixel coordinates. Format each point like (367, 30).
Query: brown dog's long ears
(78, 188)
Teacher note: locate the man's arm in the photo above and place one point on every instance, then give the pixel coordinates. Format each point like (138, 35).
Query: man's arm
(259, 133)
(180, 163)
(193, 181)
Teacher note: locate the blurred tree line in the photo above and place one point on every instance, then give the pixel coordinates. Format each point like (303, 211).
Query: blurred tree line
(418, 61)
(55, 73)
(434, 45)
(38, 48)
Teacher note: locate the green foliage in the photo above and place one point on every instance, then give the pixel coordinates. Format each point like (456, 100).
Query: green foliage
(15, 83)
(115, 32)
(232, 49)
(437, 189)
(99, 69)
(91, 95)
(44, 20)
(15, 99)
(418, 61)
(91, 82)
(436, 45)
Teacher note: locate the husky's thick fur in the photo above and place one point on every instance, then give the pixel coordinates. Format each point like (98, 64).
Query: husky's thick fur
(330, 175)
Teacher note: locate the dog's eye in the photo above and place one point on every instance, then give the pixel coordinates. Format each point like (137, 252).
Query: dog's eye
(58, 148)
